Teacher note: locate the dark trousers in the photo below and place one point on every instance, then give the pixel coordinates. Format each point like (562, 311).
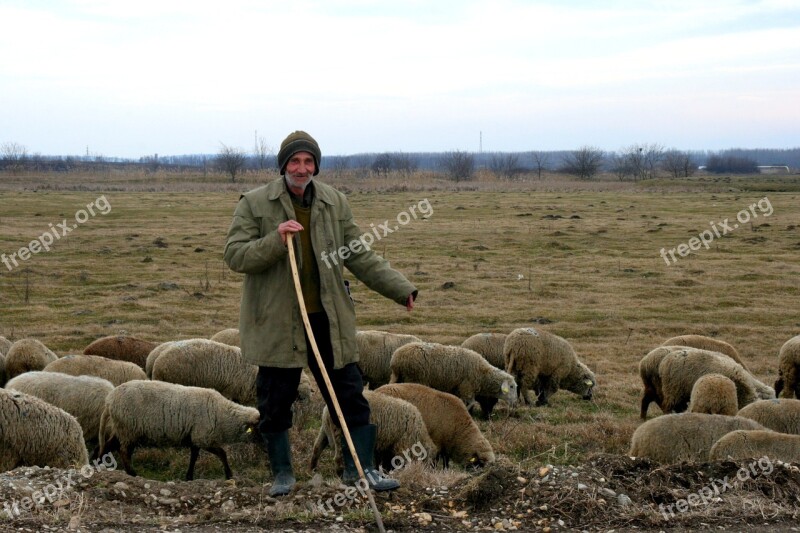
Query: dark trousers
(277, 387)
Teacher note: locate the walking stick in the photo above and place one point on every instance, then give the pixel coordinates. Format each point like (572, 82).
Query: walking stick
(334, 400)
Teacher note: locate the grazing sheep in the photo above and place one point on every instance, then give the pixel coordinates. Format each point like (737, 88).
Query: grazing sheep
(156, 413)
(153, 355)
(545, 362)
(400, 427)
(452, 369)
(714, 394)
(228, 336)
(780, 414)
(449, 424)
(681, 368)
(35, 433)
(121, 348)
(5, 344)
(117, 372)
(26, 355)
(648, 371)
(490, 346)
(83, 397)
(706, 343)
(210, 364)
(788, 382)
(375, 349)
(680, 437)
(742, 444)
(2, 370)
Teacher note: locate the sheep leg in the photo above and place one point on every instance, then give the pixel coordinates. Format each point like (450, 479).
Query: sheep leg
(125, 455)
(779, 385)
(194, 452)
(546, 388)
(648, 396)
(319, 445)
(487, 404)
(223, 457)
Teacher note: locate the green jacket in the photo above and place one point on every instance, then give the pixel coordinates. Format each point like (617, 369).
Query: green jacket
(270, 325)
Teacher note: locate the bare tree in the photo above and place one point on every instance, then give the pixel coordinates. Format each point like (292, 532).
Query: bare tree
(678, 164)
(642, 160)
(459, 165)
(585, 162)
(541, 160)
(231, 160)
(262, 151)
(13, 156)
(506, 165)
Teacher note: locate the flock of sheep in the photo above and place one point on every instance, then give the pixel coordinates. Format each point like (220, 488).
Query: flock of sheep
(123, 392)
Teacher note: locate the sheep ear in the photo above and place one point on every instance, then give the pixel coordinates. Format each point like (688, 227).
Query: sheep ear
(504, 387)
(249, 430)
(588, 383)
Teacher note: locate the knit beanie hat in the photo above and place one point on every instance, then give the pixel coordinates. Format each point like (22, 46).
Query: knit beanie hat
(298, 141)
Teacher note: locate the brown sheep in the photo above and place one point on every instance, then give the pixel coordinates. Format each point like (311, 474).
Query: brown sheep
(26, 355)
(449, 423)
(780, 414)
(680, 369)
(714, 394)
(375, 349)
(680, 437)
(743, 444)
(788, 383)
(651, 380)
(117, 372)
(706, 343)
(121, 348)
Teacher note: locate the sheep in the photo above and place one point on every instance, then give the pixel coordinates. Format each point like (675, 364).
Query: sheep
(449, 424)
(400, 427)
(490, 346)
(117, 372)
(714, 394)
(81, 396)
(680, 369)
(680, 437)
(788, 382)
(156, 413)
(121, 348)
(779, 414)
(545, 362)
(153, 355)
(375, 349)
(5, 344)
(742, 444)
(35, 433)
(214, 365)
(228, 336)
(26, 355)
(452, 369)
(2, 370)
(648, 371)
(706, 343)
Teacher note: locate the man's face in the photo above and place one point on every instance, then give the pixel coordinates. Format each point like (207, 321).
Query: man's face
(300, 170)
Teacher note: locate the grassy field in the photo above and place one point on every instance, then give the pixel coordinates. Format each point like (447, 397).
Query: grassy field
(581, 260)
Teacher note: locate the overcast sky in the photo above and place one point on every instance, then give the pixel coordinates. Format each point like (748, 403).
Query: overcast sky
(134, 78)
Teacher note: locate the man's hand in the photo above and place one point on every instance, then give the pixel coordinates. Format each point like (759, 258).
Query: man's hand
(288, 229)
(410, 302)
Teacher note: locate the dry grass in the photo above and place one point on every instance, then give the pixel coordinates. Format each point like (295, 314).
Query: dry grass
(584, 256)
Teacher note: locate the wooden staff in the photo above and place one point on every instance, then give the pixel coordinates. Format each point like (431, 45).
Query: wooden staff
(299, 290)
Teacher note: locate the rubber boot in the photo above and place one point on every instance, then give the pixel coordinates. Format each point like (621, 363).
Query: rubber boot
(364, 442)
(280, 461)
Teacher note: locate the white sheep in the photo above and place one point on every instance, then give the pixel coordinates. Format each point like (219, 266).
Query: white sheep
(490, 346)
(5, 344)
(117, 372)
(83, 397)
(788, 383)
(228, 336)
(452, 369)
(26, 355)
(743, 444)
(544, 362)
(35, 433)
(156, 413)
(375, 349)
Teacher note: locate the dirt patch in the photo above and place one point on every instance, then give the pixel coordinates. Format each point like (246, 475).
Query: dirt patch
(607, 492)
